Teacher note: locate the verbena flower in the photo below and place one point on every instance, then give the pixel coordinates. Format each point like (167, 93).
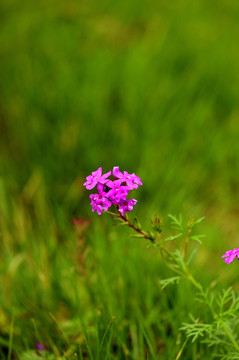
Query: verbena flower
(99, 203)
(95, 178)
(117, 192)
(112, 192)
(131, 180)
(126, 205)
(230, 255)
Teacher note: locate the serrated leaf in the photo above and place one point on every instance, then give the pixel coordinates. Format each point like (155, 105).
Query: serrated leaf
(197, 330)
(172, 237)
(228, 356)
(166, 282)
(179, 257)
(177, 224)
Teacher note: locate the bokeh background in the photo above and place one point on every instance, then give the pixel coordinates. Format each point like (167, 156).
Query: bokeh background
(149, 86)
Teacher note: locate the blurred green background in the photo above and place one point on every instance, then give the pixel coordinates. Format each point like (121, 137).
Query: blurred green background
(149, 86)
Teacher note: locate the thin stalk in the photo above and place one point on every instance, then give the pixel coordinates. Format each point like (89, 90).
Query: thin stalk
(233, 341)
(181, 350)
(168, 265)
(141, 232)
(132, 226)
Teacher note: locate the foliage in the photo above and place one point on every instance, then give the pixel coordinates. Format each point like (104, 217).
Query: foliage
(221, 308)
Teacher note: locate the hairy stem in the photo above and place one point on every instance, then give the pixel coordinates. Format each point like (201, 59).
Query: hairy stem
(141, 232)
(125, 219)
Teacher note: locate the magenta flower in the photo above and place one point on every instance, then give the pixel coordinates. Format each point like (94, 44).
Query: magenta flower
(99, 203)
(126, 206)
(117, 192)
(230, 255)
(112, 192)
(95, 178)
(131, 180)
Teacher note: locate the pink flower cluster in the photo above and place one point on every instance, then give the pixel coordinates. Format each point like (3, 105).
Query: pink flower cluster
(230, 255)
(112, 192)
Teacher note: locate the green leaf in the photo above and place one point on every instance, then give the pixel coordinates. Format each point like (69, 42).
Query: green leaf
(153, 245)
(137, 236)
(196, 330)
(177, 223)
(172, 237)
(137, 223)
(121, 223)
(166, 282)
(111, 213)
(192, 254)
(197, 238)
(198, 221)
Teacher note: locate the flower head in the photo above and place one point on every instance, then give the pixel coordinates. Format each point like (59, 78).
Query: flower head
(112, 192)
(230, 255)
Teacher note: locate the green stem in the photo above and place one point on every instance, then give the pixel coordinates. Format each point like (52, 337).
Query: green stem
(194, 282)
(233, 341)
(171, 267)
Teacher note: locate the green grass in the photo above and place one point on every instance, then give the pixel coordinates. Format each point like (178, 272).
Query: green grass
(101, 293)
(151, 87)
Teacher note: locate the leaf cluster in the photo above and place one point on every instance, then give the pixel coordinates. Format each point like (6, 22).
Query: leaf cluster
(219, 328)
(186, 230)
(224, 324)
